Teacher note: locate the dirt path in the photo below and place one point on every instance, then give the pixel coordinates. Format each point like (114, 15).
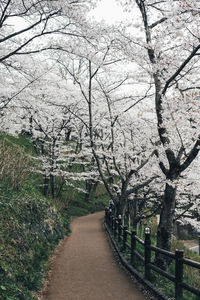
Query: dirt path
(85, 269)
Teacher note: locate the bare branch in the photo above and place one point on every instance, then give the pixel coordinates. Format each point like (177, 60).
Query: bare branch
(173, 77)
(191, 156)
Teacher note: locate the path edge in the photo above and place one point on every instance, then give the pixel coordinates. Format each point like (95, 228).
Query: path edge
(145, 283)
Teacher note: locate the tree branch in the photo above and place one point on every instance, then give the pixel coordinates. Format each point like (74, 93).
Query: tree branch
(173, 77)
(191, 156)
(139, 186)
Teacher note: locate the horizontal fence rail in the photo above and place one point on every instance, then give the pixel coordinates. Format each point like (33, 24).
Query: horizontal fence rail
(128, 240)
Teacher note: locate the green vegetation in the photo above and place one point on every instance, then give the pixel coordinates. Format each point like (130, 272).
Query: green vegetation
(31, 224)
(191, 275)
(30, 229)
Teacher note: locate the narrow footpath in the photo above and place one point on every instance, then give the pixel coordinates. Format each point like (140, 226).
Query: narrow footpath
(85, 269)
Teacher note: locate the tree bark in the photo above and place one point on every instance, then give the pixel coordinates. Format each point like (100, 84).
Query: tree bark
(122, 208)
(46, 185)
(165, 227)
(88, 187)
(52, 184)
(136, 220)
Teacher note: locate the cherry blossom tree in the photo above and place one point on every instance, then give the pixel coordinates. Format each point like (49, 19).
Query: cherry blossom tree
(169, 49)
(47, 111)
(128, 97)
(111, 139)
(26, 27)
(23, 22)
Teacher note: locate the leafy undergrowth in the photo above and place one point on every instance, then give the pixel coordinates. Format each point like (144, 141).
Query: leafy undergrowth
(30, 230)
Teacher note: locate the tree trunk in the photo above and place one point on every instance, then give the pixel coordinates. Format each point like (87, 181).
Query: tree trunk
(165, 227)
(52, 186)
(31, 126)
(68, 134)
(60, 188)
(135, 213)
(95, 186)
(46, 185)
(122, 208)
(88, 187)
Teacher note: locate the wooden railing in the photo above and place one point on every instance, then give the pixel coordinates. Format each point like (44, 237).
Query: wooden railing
(129, 240)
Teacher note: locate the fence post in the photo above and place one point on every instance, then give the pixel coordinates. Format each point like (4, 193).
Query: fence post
(115, 227)
(124, 238)
(147, 253)
(119, 228)
(133, 246)
(199, 244)
(110, 218)
(178, 274)
(113, 223)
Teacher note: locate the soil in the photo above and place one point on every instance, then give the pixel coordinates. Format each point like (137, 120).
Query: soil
(189, 243)
(84, 267)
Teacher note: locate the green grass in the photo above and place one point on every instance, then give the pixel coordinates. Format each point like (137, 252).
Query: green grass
(22, 141)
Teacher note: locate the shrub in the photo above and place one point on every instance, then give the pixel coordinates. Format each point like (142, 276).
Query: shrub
(30, 230)
(15, 165)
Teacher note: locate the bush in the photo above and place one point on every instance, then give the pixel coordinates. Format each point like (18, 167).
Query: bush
(30, 230)
(15, 165)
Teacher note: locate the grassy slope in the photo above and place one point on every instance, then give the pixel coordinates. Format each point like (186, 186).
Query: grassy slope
(30, 224)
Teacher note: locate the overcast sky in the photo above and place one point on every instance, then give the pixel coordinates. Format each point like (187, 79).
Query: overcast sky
(109, 11)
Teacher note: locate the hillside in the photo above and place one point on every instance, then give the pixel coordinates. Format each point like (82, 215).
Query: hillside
(31, 224)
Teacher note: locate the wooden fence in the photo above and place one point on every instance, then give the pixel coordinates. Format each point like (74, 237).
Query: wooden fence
(129, 240)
